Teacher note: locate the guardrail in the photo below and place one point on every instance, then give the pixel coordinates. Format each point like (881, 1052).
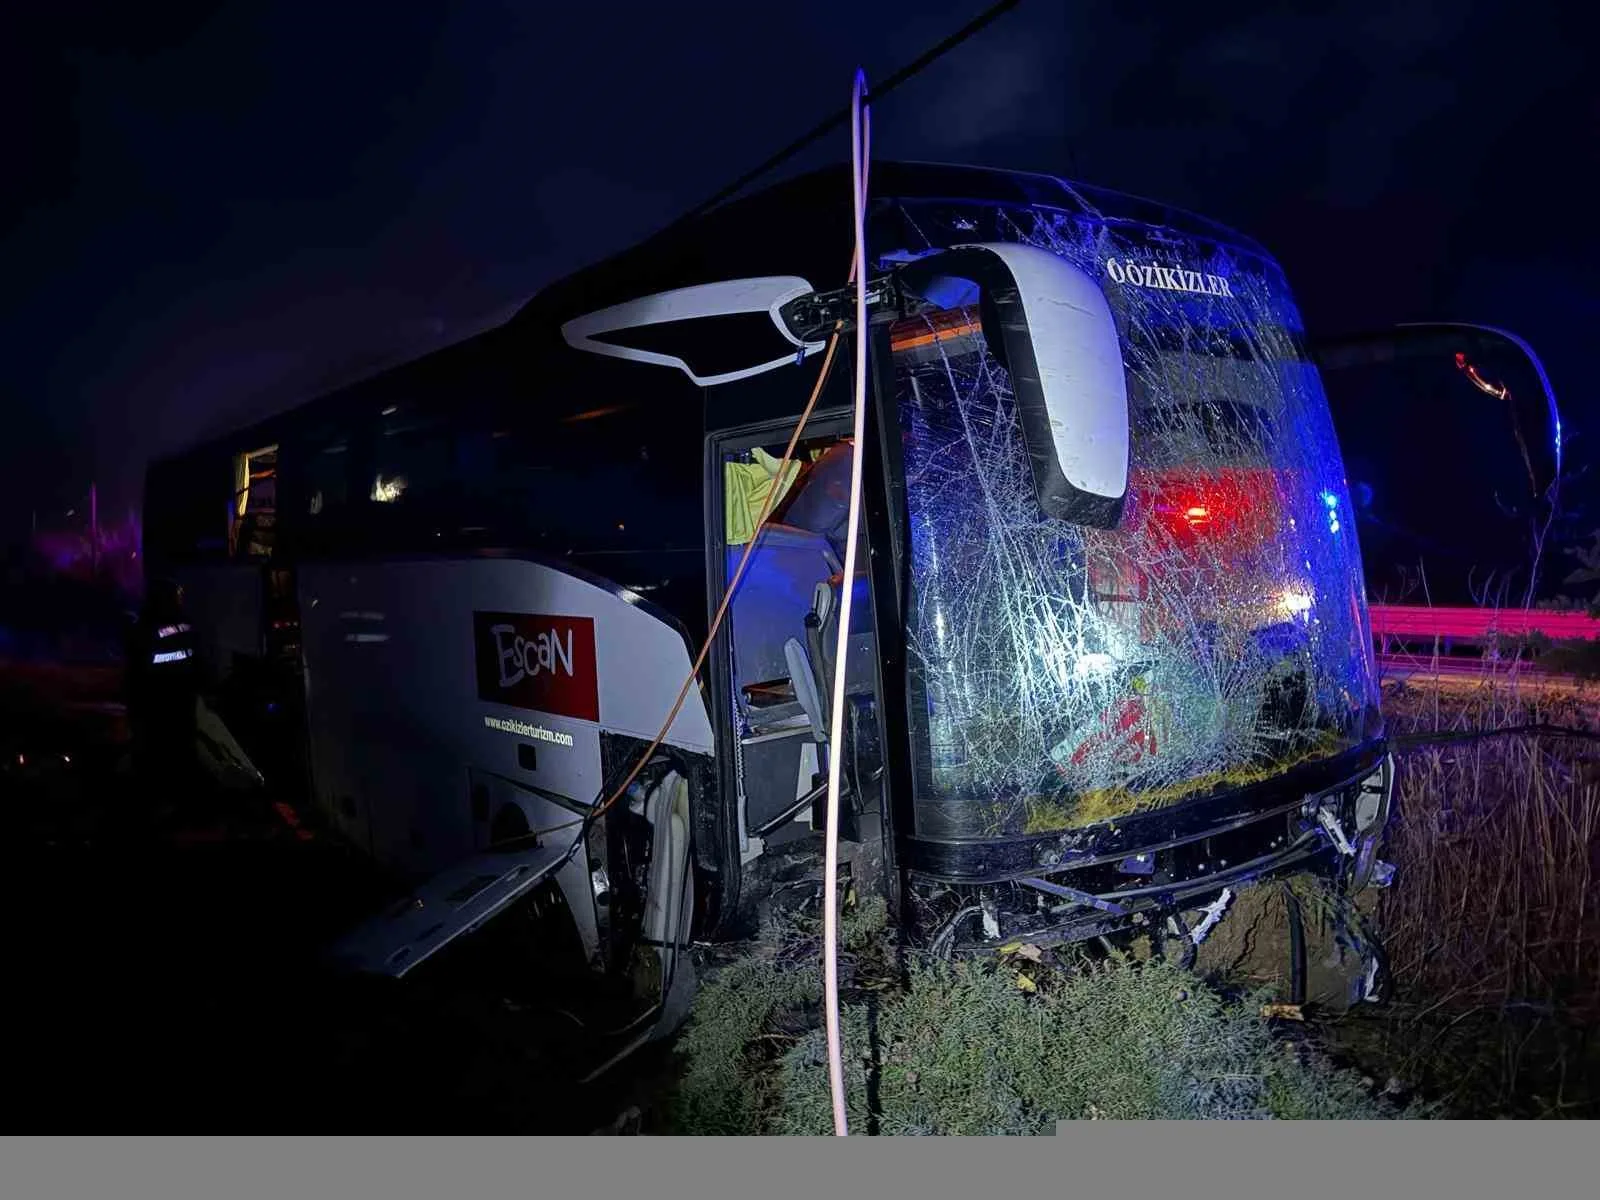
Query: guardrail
(1478, 624)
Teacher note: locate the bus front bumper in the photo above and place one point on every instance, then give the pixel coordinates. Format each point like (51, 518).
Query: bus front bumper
(1079, 885)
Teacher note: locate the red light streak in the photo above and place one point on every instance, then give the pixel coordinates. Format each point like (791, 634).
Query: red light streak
(1498, 390)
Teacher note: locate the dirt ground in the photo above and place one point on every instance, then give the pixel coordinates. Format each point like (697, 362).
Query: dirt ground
(163, 974)
(1251, 946)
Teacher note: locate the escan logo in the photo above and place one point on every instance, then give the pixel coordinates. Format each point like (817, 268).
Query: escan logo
(543, 663)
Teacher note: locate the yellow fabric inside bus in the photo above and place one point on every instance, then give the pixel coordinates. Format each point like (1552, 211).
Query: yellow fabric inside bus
(746, 486)
(241, 499)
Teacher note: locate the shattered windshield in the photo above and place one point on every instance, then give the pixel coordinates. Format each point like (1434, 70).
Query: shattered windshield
(1218, 636)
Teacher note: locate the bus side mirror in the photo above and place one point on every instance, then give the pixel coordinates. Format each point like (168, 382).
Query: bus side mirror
(712, 332)
(1457, 371)
(1049, 325)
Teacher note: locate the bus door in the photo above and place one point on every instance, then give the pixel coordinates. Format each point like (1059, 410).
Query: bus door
(774, 662)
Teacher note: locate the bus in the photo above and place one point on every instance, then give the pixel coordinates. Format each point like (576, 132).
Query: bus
(1110, 655)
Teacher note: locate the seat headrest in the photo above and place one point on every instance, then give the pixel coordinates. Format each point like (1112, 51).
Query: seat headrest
(822, 601)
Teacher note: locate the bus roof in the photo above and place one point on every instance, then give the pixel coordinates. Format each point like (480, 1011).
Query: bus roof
(800, 225)
(806, 220)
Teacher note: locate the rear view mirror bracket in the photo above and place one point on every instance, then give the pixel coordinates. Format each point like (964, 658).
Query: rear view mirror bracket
(1045, 320)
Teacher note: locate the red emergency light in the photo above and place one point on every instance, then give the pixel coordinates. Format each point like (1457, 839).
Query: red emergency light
(1237, 506)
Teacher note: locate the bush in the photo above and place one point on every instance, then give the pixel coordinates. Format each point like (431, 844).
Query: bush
(725, 1086)
(967, 1049)
(733, 1037)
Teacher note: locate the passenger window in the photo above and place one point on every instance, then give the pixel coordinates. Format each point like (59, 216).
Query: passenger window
(413, 461)
(314, 489)
(573, 487)
(327, 478)
(253, 513)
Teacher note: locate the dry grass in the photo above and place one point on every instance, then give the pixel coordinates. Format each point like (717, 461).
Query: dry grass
(1493, 939)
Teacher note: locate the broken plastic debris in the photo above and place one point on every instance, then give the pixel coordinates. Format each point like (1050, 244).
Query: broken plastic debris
(1328, 821)
(1213, 913)
(1382, 873)
(1027, 984)
(1369, 982)
(1138, 864)
(1282, 1012)
(991, 918)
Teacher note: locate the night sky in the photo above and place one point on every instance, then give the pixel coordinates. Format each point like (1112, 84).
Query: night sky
(213, 210)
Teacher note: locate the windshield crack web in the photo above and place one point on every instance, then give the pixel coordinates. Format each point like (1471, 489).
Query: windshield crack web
(1215, 638)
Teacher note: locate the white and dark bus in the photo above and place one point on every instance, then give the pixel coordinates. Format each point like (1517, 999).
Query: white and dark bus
(1110, 651)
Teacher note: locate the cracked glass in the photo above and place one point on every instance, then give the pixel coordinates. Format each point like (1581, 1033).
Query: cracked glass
(1216, 637)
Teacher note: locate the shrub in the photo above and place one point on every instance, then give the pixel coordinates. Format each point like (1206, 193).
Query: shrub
(966, 1049)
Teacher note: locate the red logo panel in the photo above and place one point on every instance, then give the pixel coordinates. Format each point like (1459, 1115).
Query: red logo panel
(537, 662)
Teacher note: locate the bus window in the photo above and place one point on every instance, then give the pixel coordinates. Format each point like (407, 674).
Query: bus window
(413, 460)
(253, 512)
(327, 487)
(314, 489)
(572, 490)
(478, 476)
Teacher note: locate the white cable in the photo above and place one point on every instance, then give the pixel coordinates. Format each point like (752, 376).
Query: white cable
(830, 869)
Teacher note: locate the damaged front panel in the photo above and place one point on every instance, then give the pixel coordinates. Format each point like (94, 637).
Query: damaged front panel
(1063, 676)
